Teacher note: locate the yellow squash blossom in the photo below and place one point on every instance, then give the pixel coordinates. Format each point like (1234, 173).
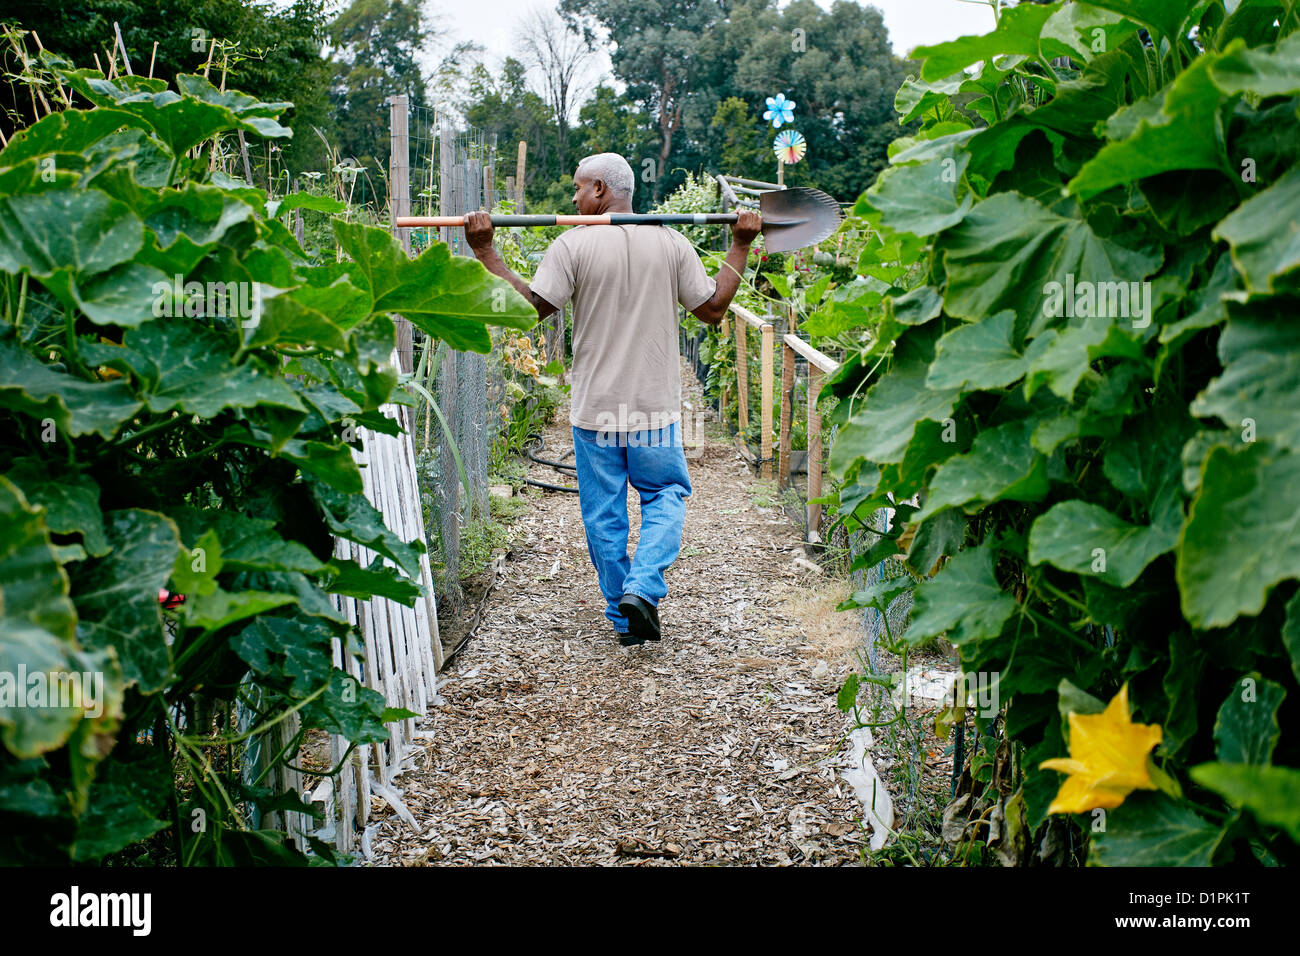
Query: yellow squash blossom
(1108, 759)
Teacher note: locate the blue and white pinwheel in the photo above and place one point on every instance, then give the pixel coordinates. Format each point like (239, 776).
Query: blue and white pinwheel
(779, 110)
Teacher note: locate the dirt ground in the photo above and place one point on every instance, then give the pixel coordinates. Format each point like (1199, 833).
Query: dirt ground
(721, 744)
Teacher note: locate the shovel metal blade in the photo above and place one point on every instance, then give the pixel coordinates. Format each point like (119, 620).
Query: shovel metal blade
(797, 218)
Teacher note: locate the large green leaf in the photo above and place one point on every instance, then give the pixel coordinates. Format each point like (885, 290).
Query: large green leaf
(1259, 389)
(352, 580)
(1009, 247)
(1272, 794)
(189, 222)
(1166, 17)
(1274, 72)
(355, 518)
(980, 355)
(1178, 128)
(882, 427)
(1265, 244)
(1237, 543)
(1150, 829)
(1291, 633)
(1246, 730)
(963, 600)
(1002, 465)
(79, 232)
(192, 369)
(126, 805)
(1060, 359)
(452, 298)
(1085, 538)
(183, 121)
(70, 500)
(66, 131)
(1017, 32)
(923, 198)
(117, 596)
(77, 407)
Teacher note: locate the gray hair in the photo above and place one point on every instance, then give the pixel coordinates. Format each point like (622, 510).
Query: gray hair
(611, 169)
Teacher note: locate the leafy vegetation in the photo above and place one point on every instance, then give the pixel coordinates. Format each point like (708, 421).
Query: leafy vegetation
(180, 390)
(1077, 391)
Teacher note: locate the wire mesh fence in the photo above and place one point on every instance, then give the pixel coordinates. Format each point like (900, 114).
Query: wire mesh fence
(452, 171)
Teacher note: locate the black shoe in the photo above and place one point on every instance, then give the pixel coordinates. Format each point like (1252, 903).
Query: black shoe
(626, 639)
(642, 619)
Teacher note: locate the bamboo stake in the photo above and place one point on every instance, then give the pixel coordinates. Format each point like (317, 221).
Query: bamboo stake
(152, 56)
(62, 92)
(98, 65)
(212, 48)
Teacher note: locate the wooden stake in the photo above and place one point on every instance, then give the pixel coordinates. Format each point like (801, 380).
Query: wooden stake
(212, 48)
(520, 168)
(152, 56)
(742, 376)
(98, 65)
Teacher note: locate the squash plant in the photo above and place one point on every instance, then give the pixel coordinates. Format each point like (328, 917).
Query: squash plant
(180, 388)
(1086, 415)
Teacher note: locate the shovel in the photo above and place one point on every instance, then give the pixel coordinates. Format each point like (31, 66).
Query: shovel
(792, 219)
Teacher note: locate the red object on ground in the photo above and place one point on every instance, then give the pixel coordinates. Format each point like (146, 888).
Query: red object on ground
(170, 601)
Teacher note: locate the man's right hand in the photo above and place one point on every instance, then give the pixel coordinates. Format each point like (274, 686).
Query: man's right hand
(478, 232)
(748, 225)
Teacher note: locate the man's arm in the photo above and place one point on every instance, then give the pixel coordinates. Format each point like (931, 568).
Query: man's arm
(748, 225)
(478, 232)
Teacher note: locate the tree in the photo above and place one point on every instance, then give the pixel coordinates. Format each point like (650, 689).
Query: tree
(562, 61)
(743, 139)
(505, 106)
(611, 122)
(376, 42)
(657, 46)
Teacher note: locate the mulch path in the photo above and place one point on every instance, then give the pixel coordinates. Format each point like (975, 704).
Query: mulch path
(721, 744)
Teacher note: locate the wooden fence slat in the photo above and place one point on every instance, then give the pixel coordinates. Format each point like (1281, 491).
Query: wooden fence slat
(814, 451)
(765, 440)
(742, 378)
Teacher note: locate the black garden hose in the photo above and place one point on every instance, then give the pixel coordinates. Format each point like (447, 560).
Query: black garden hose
(559, 466)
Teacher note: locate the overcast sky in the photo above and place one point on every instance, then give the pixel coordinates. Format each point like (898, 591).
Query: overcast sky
(910, 23)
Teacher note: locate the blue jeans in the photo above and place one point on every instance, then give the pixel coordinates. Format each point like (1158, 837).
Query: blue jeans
(653, 462)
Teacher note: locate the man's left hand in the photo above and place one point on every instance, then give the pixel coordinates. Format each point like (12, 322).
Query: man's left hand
(478, 231)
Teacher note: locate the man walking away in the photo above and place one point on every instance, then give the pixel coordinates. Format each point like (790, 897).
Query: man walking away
(626, 282)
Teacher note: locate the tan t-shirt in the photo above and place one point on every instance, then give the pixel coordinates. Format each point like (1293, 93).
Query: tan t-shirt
(626, 283)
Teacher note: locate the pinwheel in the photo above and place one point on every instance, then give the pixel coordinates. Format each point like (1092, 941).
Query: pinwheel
(789, 146)
(779, 110)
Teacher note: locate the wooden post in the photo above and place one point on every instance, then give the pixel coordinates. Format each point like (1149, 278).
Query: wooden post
(766, 379)
(520, 169)
(446, 173)
(742, 377)
(510, 188)
(814, 452)
(399, 204)
(787, 416)
(723, 332)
